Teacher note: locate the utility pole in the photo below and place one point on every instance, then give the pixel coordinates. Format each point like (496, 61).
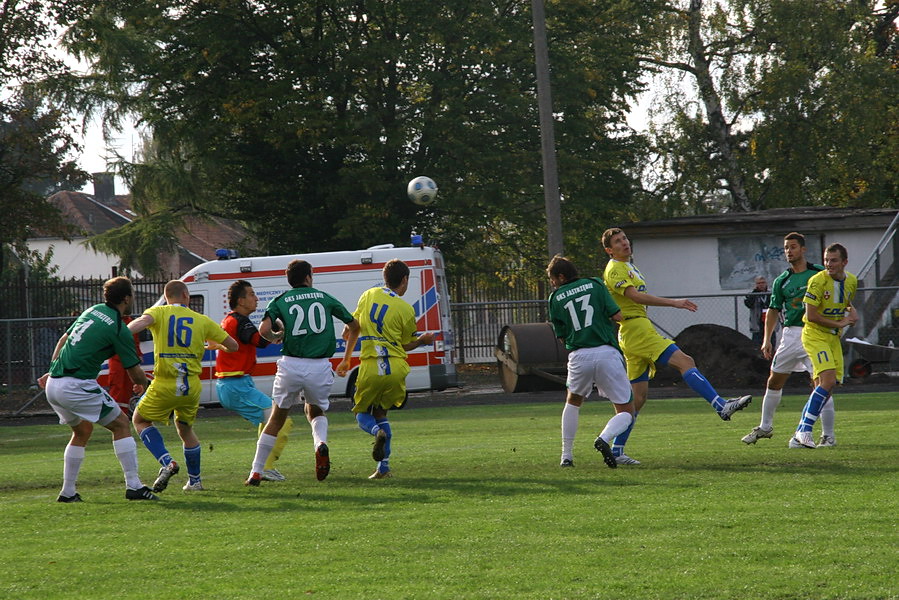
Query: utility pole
(547, 135)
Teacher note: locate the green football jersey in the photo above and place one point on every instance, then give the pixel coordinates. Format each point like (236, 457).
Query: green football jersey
(788, 291)
(307, 314)
(94, 336)
(579, 312)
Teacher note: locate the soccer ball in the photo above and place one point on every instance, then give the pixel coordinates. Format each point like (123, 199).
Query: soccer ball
(422, 191)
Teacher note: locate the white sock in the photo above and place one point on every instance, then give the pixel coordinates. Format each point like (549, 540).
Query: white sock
(616, 426)
(570, 416)
(264, 447)
(827, 418)
(319, 430)
(769, 405)
(72, 459)
(126, 452)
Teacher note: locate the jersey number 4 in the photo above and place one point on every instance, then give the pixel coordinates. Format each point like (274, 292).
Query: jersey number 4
(585, 310)
(377, 314)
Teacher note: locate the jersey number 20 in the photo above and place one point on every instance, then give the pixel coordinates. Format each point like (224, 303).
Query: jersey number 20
(316, 318)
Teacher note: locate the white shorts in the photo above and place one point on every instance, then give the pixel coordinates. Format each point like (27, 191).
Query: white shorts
(603, 367)
(76, 400)
(790, 356)
(301, 380)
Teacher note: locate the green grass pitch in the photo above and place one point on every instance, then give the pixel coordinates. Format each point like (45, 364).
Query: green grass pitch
(478, 508)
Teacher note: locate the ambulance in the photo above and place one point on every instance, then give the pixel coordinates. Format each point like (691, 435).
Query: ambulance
(344, 275)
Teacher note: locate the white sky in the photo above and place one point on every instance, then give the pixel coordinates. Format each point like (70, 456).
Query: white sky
(95, 152)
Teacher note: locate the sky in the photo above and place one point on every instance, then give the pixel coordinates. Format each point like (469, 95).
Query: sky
(95, 151)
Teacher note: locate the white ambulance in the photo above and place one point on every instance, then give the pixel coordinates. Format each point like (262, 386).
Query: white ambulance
(344, 275)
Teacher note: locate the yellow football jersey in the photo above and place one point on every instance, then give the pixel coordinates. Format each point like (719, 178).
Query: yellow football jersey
(179, 334)
(387, 323)
(831, 297)
(619, 276)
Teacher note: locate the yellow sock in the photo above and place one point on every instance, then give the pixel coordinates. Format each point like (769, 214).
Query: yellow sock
(280, 442)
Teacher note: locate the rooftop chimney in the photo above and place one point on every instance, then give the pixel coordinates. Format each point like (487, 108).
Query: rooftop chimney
(104, 188)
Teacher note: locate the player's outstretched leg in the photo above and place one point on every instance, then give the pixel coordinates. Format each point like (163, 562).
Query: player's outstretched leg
(725, 408)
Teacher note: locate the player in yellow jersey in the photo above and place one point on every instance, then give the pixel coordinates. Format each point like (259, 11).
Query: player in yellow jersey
(642, 345)
(179, 339)
(828, 309)
(387, 332)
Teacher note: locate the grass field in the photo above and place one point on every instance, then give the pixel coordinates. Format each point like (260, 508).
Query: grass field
(478, 508)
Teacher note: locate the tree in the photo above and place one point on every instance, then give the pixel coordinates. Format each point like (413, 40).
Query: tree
(775, 103)
(305, 119)
(35, 137)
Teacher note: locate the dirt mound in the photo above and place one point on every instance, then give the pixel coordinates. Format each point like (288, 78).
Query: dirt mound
(725, 356)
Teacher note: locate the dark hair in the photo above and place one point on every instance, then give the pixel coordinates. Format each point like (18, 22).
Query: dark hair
(607, 236)
(794, 235)
(297, 272)
(838, 248)
(394, 271)
(174, 289)
(236, 291)
(561, 266)
(115, 290)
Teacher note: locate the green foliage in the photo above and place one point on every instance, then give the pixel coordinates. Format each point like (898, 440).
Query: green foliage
(478, 508)
(35, 136)
(305, 120)
(808, 91)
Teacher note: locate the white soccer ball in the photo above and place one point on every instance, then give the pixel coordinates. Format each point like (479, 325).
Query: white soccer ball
(422, 191)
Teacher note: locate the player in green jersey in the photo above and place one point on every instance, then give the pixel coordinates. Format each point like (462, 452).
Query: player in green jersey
(73, 392)
(302, 318)
(828, 309)
(786, 304)
(180, 336)
(387, 332)
(642, 345)
(581, 311)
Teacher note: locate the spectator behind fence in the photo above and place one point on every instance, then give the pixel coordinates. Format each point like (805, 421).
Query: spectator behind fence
(757, 302)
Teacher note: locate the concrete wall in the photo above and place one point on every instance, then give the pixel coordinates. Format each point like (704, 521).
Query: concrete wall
(75, 259)
(688, 267)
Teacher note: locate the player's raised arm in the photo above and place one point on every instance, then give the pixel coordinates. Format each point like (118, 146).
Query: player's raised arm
(650, 300)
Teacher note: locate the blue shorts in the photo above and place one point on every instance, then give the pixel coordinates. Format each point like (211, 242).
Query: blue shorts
(240, 395)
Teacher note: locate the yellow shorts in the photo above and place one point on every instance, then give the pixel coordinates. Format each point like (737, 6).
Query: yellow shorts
(824, 350)
(381, 383)
(642, 345)
(161, 400)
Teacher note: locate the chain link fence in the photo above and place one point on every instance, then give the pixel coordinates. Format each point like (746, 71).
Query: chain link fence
(477, 324)
(26, 344)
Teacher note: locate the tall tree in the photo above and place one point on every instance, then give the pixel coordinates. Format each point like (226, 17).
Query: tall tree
(36, 139)
(305, 119)
(774, 103)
